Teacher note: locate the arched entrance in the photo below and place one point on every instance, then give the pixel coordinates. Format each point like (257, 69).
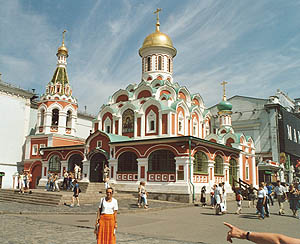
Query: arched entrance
(36, 175)
(233, 171)
(75, 159)
(97, 162)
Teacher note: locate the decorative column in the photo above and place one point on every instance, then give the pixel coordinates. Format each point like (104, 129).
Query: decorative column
(242, 155)
(183, 170)
(48, 121)
(113, 164)
(85, 170)
(159, 123)
(142, 169)
(64, 165)
(62, 122)
(43, 181)
(226, 173)
(253, 170)
(211, 172)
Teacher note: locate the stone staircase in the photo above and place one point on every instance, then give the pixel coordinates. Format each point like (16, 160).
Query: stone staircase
(35, 197)
(90, 193)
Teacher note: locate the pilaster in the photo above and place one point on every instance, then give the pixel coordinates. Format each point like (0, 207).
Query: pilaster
(142, 169)
(85, 170)
(184, 162)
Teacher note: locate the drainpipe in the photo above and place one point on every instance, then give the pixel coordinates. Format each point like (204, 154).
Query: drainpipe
(190, 160)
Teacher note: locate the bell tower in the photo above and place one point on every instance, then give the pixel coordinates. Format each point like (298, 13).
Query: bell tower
(157, 55)
(57, 111)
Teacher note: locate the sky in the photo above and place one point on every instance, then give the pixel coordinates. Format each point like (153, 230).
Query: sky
(253, 45)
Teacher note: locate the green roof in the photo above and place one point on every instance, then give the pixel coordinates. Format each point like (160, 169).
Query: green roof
(117, 138)
(60, 76)
(224, 106)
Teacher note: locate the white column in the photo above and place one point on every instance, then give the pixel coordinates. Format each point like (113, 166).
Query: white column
(226, 173)
(62, 122)
(135, 125)
(211, 172)
(113, 163)
(253, 170)
(169, 121)
(143, 126)
(241, 165)
(159, 123)
(73, 124)
(142, 162)
(43, 181)
(48, 121)
(184, 161)
(85, 170)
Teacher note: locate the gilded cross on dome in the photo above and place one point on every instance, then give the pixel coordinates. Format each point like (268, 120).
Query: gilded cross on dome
(63, 41)
(157, 18)
(224, 90)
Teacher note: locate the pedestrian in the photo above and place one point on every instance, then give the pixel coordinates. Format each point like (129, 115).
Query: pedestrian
(238, 198)
(106, 222)
(51, 182)
(203, 196)
(76, 170)
(65, 182)
(212, 197)
(21, 182)
(144, 194)
(281, 196)
(270, 195)
(105, 172)
(76, 191)
(266, 206)
(139, 202)
(70, 180)
(218, 198)
(106, 183)
(251, 196)
(261, 200)
(259, 237)
(224, 197)
(25, 180)
(293, 195)
(55, 181)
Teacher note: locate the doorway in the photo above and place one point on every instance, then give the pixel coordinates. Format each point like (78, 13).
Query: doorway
(97, 162)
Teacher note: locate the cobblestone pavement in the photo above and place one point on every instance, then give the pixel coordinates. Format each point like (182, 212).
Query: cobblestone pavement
(168, 223)
(125, 205)
(20, 229)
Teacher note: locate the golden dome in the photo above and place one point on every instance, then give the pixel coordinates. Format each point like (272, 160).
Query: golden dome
(63, 49)
(158, 39)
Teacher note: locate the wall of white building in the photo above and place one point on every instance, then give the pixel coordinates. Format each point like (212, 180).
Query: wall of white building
(83, 126)
(14, 126)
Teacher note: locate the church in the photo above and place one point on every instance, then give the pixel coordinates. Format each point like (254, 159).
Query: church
(155, 131)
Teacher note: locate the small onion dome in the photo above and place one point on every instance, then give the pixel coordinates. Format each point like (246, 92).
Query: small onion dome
(224, 106)
(62, 50)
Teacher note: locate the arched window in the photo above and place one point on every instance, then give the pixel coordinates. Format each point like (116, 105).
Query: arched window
(161, 161)
(54, 164)
(169, 65)
(218, 165)
(42, 117)
(151, 122)
(159, 63)
(107, 125)
(127, 162)
(69, 119)
(148, 64)
(55, 116)
(195, 127)
(180, 123)
(200, 163)
(128, 121)
(233, 171)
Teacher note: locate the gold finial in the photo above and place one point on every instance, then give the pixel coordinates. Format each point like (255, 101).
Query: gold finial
(157, 18)
(63, 40)
(224, 95)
